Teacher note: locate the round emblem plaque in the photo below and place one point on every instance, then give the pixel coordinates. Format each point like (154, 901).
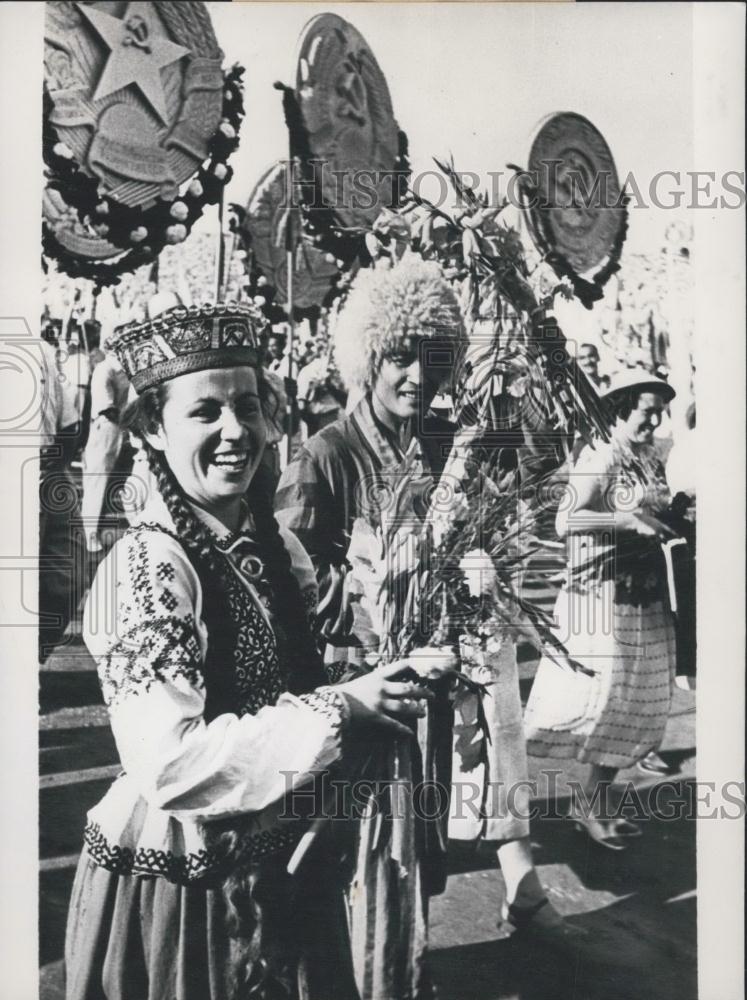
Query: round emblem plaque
(347, 113)
(265, 221)
(578, 205)
(136, 91)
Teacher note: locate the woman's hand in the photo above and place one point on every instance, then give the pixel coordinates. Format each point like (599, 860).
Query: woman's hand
(392, 692)
(382, 691)
(431, 662)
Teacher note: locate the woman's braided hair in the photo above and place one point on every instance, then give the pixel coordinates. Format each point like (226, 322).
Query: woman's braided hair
(300, 659)
(259, 895)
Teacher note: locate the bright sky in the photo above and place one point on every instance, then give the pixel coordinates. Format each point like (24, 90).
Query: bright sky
(475, 79)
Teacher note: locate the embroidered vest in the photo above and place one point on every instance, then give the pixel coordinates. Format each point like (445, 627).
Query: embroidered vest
(242, 670)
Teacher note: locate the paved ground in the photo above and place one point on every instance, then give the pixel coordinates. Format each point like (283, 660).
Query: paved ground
(638, 906)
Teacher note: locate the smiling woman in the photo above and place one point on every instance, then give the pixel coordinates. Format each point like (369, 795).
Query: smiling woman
(209, 428)
(197, 620)
(613, 613)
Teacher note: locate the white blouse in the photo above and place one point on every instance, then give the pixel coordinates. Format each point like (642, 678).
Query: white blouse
(143, 626)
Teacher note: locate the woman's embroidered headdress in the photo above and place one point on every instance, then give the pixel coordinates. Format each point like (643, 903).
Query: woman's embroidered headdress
(386, 307)
(191, 339)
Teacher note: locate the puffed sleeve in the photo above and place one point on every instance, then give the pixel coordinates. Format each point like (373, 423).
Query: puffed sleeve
(590, 486)
(597, 461)
(143, 627)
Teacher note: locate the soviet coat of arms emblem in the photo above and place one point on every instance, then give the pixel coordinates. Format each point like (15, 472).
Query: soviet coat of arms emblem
(347, 113)
(136, 91)
(265, 221)
(579, 209)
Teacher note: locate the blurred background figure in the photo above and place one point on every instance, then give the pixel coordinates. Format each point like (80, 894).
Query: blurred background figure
(681, 474)
(61, 554)
(588, 362)
(74, 375)
(321, 394)
(278, 360)
(108, 455)
(92, 341)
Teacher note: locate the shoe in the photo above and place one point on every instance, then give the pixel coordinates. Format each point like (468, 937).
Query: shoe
(653, 764)
(610, 833)
(541, 920)
(626, 828)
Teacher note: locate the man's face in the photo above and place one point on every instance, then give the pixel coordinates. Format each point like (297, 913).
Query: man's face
(275, 348)
(588, 361)
(405, 385)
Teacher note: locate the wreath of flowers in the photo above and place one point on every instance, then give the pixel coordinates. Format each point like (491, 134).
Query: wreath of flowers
(142, 233)
(264, 295)
(256, 285)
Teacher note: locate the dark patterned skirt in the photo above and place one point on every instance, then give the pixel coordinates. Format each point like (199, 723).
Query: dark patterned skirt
(135, 937)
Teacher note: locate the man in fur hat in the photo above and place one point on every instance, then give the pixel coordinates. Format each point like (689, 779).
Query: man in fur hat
(395, 341)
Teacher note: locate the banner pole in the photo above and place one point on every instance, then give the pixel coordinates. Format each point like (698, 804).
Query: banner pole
(220, 250)
(290, 253)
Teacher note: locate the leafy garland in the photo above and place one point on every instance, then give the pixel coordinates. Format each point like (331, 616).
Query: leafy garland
(487, 260)
(141, 233)
(483, 522)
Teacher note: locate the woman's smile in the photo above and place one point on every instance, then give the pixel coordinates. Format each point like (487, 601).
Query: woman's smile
(213, 435)
(232, 462)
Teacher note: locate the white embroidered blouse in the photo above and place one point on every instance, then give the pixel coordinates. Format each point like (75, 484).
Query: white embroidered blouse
(143, 625)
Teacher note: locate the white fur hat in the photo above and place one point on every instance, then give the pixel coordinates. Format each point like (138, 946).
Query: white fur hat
(387, 306)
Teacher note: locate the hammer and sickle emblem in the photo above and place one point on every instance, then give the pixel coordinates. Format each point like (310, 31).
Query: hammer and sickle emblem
(575, 181)
(351, 90)
(138, 33)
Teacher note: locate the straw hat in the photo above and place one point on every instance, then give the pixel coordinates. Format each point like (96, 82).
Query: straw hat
(641, 381)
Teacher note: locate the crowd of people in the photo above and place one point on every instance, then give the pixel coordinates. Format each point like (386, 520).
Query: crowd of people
(236, 663)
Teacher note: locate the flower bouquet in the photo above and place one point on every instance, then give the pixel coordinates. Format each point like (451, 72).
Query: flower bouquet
(451, 578)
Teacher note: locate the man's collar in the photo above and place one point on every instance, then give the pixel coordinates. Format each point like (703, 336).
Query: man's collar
(378, 436)
(380, 440)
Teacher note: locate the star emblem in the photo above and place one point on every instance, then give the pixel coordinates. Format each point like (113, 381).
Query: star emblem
(138, 52)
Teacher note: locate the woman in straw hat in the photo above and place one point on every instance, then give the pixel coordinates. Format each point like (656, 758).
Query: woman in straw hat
(612, 613)
(197, 621)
